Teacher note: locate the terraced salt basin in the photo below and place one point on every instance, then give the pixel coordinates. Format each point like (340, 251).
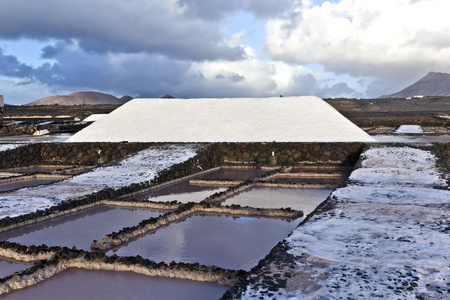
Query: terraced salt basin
(79, 229)
(234, 174)
(47, 169)
(9, 267)
(319, 181)
(87, 284)
(313, 175)
(20, 183)
(223, 241)
(305, 200)
(182, 192)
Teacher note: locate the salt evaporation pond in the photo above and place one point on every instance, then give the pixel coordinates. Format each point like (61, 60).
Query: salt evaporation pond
(181, 192)
(79, 229)
(187, 197)
(39, 169)
(20, 183)
(87, 284)
(223, 241)
(305, 200)
(234, 174)
(310, 180)
(9, 267)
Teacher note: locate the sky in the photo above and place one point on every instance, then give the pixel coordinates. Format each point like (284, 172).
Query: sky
(216, 48)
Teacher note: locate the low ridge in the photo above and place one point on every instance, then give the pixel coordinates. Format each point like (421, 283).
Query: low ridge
(79, 98)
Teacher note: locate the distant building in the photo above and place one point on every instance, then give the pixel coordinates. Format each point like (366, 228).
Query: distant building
(418, 97)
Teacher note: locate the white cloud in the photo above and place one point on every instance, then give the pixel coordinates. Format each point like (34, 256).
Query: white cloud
(193, 48)
(382, 38)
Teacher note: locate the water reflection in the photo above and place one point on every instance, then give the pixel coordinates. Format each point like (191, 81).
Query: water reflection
(87, 284)
(79, 229)
(9, 267)
(224, 241)
(305, 200)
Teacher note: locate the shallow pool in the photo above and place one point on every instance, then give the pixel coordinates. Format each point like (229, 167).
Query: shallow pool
(305, 200)
(9, 267)
(234, 174)
(182, 192)
(79, 229)
(223, 241)
(20, 183)
(87, 284)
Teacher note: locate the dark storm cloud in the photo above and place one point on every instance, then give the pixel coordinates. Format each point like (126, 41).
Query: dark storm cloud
(11, 66)
(118, 26)
(269, 8)
(216, 9)
(141, 74)
(209, 10)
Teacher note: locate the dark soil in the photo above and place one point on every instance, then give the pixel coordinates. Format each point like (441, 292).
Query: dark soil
(363, 112)
(12, 112)
(394, 112)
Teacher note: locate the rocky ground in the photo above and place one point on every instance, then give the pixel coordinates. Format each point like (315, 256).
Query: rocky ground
(34, 113)
(433, 111)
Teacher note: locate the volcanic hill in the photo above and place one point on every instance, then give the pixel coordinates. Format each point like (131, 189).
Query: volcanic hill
(79, 98)
(433, 84)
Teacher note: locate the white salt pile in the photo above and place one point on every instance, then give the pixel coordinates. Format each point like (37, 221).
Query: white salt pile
(409, 129)
(281, 119)
(94, 117)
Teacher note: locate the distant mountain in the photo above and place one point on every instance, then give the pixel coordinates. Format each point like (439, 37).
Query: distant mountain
(79, 98)
(126, 98)
(433, 84)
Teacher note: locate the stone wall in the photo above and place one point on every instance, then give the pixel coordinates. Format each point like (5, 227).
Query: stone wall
(288, 153)
(67, 153)
(446, 153)
(216, 155)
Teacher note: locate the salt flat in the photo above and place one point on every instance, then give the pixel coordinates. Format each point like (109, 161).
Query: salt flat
(385, 237)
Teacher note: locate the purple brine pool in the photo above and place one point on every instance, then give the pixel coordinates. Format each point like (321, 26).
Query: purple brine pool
(79, 229)
(181, 192)
(87, 284)
(9, 267)
(305, 200)
(223, 241)
(234, 174)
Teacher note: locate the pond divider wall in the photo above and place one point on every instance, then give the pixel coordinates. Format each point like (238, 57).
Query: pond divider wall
(64, 258)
